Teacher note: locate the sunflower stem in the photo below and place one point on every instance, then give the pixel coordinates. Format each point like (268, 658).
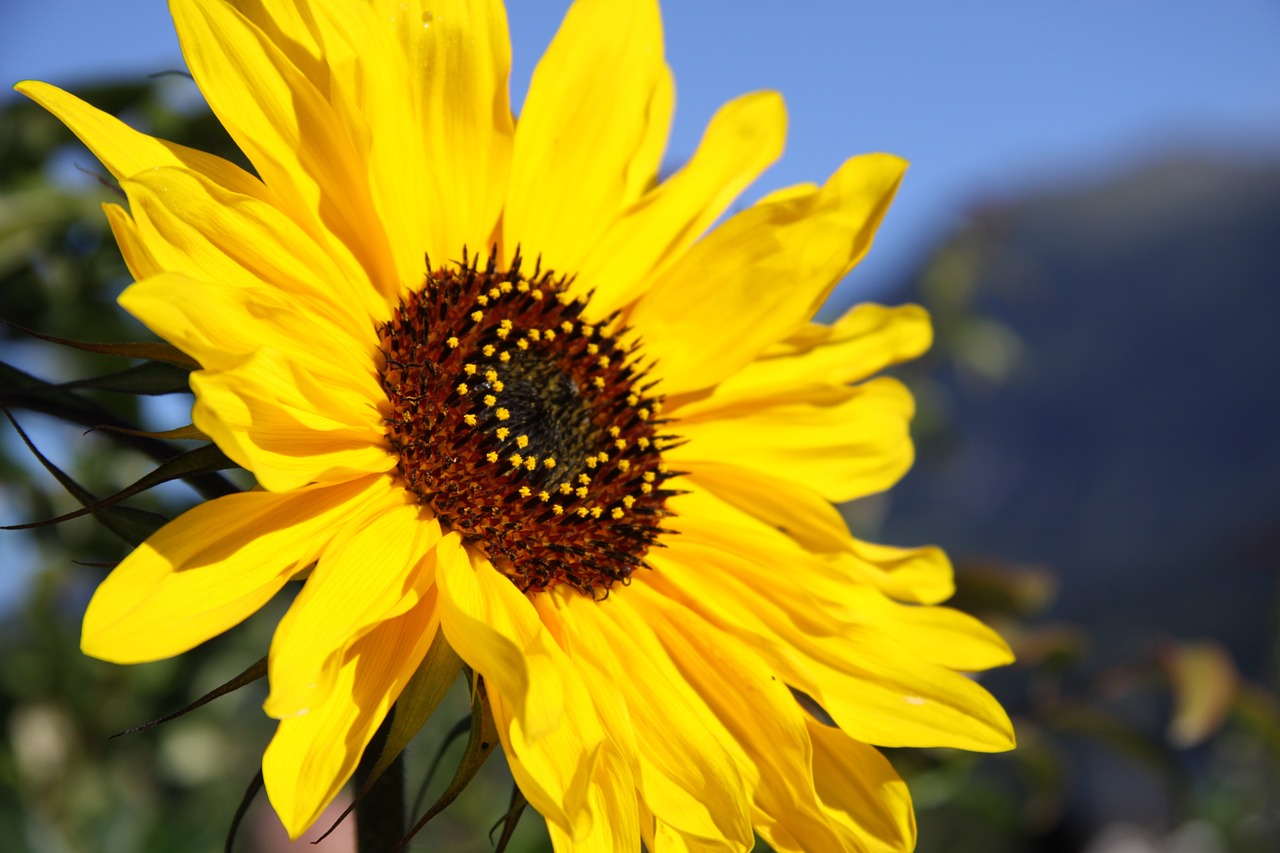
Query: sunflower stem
(380, 814)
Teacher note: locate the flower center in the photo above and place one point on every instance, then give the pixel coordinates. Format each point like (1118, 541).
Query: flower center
(525, 428)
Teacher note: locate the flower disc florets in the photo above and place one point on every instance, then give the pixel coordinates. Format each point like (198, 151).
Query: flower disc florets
(523, 427)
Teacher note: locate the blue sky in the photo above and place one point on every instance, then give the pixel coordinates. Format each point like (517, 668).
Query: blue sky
(987, 98)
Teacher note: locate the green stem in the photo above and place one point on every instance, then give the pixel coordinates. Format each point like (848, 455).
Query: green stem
(380, 814)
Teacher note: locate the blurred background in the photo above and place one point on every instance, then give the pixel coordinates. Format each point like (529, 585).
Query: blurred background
(1092, 217)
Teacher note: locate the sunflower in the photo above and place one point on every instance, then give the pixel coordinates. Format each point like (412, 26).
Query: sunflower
(497, 382)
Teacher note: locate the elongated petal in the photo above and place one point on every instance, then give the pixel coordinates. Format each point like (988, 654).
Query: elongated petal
(312, 155)
(495, 629)
(193, 226)
(373, 569)
(209, 569)
(312, 756)
(274, 419)
(742, 140)
(846, 444)
(125, 151)
(141, 263)
(761, 275)
(687, 776)
(864, 341)
(611, 801)
(758, 711)
(586, 129)
(919, 575)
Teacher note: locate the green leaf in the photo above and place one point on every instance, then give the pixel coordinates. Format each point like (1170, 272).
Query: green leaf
(156, 351)
(129, 523)
(202, 460)
(256, 670)
(151, 378)
(481, 743)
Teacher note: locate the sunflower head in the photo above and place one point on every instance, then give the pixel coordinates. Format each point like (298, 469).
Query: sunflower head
(592, 445)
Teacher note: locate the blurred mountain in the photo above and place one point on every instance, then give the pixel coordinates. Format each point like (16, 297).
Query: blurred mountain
(1124, 427)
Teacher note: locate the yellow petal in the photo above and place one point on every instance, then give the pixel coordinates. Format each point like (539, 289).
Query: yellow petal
(312, 756)
(845, 444)
(311, 154)
(611, 800)
(861, 343)
(125, 151)
(874, 687)
(493, 627)
(434, 80)
(742, 140)
(191, 225)
(687, 776)
(209, 569)
(584, 144)
(275, 420)
(920, 575)
(863, 794)
(757, 278)
(137, 258)
(758, 711)
(374, 568)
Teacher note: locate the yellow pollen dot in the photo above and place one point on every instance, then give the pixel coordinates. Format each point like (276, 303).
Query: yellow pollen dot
(505, 324)
(522, 343)
(643, 441)
(504, 357)
(584, 479)
(494, 293)
(557, 509)
(525, 491)
(581, 491)
(531, 463)
(657, 406)
(477, 316)
(549, 334)
(502, 433)
(491, 375)
(470, 369)
(491, 456)
(549, 462)
(582, 512)
(516, 459)
(615, 431)
(624, 465)
(502, 333)
(566, 489)
(469, 420)
(498, 385)
(489, 349)
(593, 349)
(643, 414)
(649, 476)
(602, 456)
(617, 512)
(628, 501)
(534, 335)
(482, 300)
(592, 462)
(503, 414)
(598, 382)
(596, 512)
(588, 331)
(632, 399)
(505, 287)
(489, 399)
(536, 294)
(462, 388)
(566, 327)
(621, 444)
(603, 361)
(452, 342)
(522, 441)
(646, 487)
(544, 496)
(523, 287)
(663, 468)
